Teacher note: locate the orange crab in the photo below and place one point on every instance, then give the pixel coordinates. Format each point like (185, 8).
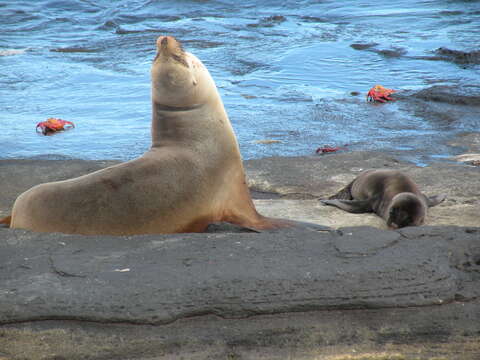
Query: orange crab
(52, 125)
(380, 93)
(328, 149)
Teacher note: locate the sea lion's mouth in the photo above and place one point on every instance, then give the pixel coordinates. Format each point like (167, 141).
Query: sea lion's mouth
(169, 47)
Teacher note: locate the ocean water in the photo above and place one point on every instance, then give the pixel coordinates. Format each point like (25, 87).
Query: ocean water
(286, 71)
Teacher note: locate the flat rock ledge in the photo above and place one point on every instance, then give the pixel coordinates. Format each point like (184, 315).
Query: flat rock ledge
(353, 292)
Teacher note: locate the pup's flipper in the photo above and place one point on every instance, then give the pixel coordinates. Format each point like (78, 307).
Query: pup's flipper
(353, 206)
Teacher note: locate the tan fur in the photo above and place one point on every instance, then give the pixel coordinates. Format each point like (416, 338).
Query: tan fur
(192, 175)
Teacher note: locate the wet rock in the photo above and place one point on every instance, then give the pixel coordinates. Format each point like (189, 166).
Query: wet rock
(393, 52)
(244, 66)
(459, 57)
(456, 95)
(74, 50)
(314, 19)
(269, 21)
(363, 46)
(452, 107)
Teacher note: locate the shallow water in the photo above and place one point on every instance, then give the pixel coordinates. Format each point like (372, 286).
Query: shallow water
(285, 70)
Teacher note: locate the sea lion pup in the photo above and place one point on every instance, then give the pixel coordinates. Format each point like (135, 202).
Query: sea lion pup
(390, 194)
(192, 175)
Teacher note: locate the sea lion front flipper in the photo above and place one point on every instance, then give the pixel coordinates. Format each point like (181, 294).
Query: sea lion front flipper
(435, 199)
(353, 206)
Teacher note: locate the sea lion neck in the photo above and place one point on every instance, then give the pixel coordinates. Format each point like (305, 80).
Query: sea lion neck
(186, 106)
(175, 124)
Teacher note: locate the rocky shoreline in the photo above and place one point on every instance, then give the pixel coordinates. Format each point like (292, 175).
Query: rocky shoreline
(355, 292)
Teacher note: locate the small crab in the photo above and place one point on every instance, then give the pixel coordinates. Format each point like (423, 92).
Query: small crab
(380, 93)
(52, 125)
(328, 149)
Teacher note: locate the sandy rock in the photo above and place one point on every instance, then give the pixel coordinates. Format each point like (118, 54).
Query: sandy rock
(321, 176)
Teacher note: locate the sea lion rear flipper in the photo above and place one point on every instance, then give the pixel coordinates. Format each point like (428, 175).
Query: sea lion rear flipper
(6, 221)
(226, 227)
(435, 200)
(353, 206)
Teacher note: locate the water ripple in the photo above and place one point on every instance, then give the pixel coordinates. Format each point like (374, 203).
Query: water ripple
(285, 70)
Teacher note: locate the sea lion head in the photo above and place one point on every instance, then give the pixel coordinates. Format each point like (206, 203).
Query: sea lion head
(179, 79)
(406, 209)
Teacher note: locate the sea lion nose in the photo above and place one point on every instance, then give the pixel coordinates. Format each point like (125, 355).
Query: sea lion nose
(162, 42)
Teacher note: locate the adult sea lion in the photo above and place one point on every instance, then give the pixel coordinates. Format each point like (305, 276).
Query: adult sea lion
(390, 194)
(192, 175)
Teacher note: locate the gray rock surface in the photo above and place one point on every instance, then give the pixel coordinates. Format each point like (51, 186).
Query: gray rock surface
(158, 279)
(350, 293)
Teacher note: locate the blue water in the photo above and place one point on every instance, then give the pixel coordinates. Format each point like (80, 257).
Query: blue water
(285, 70)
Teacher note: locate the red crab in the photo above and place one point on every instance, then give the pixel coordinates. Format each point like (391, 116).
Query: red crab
(328, 149)
(380, 93)
(53, 125)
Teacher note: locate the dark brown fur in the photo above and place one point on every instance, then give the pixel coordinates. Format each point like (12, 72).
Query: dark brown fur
(390, 194)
